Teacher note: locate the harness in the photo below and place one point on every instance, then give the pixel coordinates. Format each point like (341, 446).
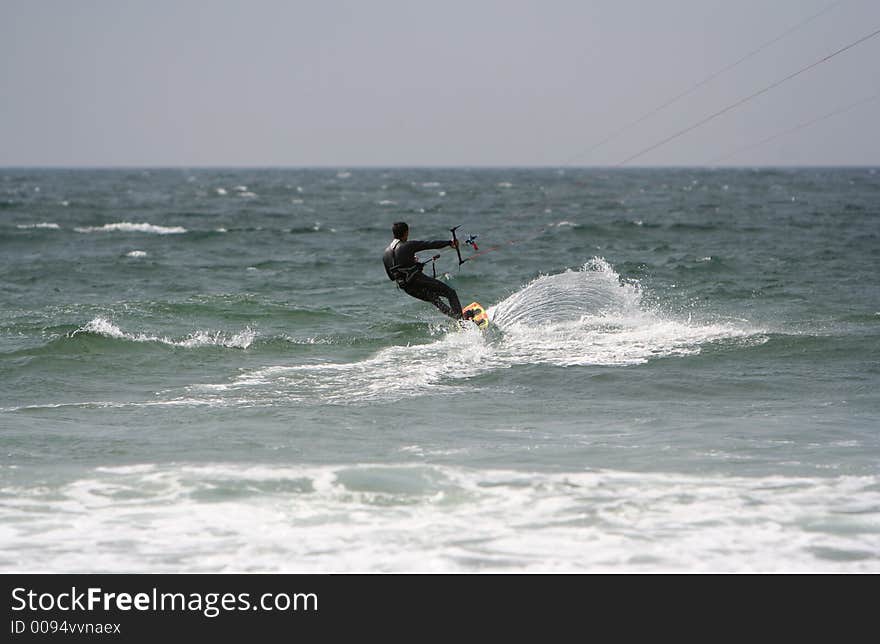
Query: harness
(402, 274)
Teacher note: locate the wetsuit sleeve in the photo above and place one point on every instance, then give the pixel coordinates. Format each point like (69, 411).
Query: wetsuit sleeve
(416, 246)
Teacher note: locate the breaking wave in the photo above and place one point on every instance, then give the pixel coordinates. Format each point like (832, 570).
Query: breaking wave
(46, 225)
(376, 518)
(127, 227)
(102, 327)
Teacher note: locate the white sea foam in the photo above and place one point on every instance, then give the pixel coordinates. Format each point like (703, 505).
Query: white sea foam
(47, 225)
(136, 253)
(440, 366)
(241, 340)
(336, 518)
(220, 191)
(127, 227)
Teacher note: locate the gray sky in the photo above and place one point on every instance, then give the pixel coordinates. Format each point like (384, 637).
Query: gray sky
(396, 82)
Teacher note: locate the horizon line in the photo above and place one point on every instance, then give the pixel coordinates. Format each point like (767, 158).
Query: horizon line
(437, 167)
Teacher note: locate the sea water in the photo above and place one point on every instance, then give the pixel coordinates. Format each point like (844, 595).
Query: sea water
(208, 370)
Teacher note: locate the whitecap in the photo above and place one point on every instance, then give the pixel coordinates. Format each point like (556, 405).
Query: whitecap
(136, 253)
(104, 327)
(127, 227)
(45, 225)
(241, 340)
(101, 326)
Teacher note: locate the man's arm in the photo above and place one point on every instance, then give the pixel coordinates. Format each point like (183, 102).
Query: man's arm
(429, 245)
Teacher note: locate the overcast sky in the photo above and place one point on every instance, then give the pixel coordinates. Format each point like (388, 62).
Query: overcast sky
(404, 82)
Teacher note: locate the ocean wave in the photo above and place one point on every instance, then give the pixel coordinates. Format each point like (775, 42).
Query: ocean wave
(317, 227)
(46, 225)
(101, 326)
(343, 518)
(127, 227)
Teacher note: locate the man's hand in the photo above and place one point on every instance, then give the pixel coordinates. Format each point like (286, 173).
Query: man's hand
(453, 243)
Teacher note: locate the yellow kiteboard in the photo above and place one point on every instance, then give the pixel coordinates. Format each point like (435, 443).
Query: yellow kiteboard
(480, 317)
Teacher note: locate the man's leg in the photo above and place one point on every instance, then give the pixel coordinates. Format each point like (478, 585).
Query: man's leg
(431, 290)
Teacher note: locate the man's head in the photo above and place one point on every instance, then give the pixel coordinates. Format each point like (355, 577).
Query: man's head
(400, 230)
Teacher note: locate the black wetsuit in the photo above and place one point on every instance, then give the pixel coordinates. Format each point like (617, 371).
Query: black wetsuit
(402, 267)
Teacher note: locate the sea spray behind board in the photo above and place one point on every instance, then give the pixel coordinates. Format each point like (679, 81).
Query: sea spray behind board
(210, 369)
(590, 317)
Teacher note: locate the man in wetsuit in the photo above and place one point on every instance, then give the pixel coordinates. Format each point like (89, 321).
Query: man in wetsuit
(404, 268)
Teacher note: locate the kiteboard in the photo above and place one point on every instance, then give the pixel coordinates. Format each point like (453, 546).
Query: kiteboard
(480, 317)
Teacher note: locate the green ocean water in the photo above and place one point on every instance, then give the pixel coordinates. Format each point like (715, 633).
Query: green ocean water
(207, 370)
